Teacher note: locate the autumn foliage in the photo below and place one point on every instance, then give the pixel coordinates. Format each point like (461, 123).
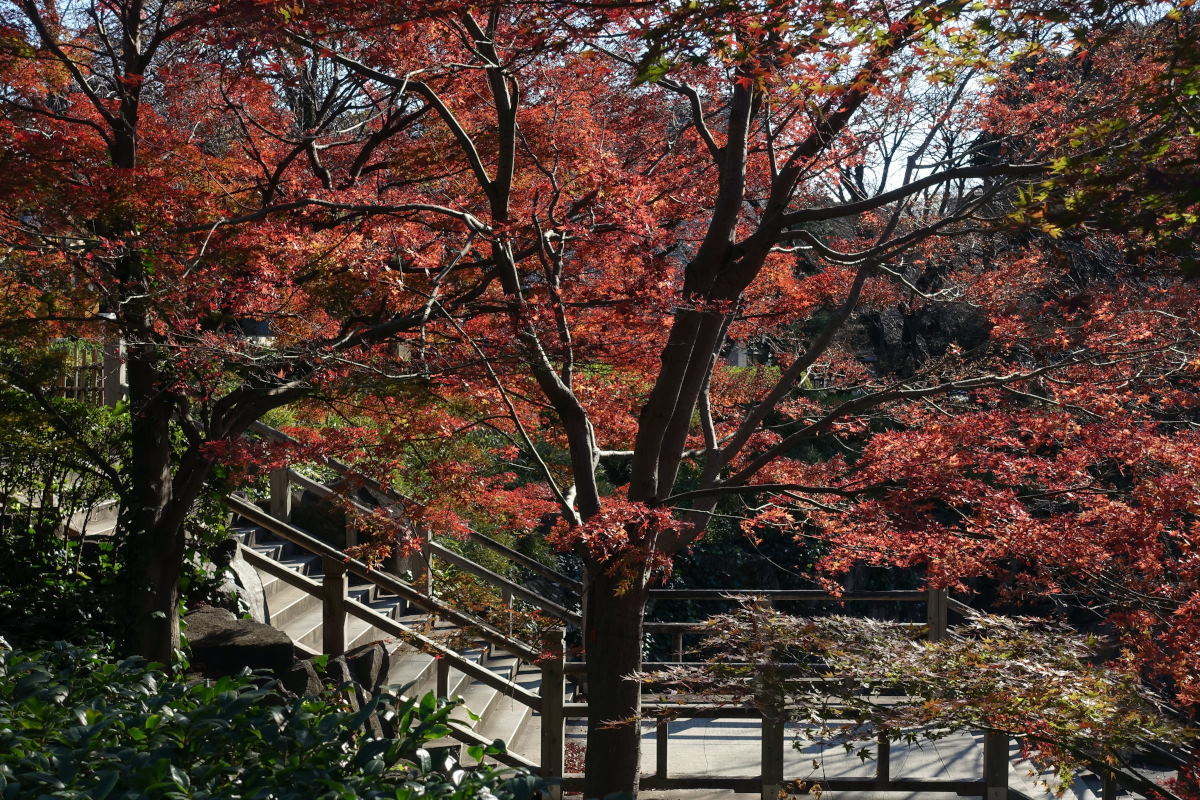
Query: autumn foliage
(849, 272)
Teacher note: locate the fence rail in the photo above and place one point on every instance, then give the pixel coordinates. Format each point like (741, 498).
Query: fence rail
(283, 479)
(991, 785)
(336, 606)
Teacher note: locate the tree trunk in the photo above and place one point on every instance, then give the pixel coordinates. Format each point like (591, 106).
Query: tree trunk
(153, 569)
(153, 539)
(613, 649)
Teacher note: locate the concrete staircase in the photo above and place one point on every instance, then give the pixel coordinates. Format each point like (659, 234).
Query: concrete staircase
(487, 711)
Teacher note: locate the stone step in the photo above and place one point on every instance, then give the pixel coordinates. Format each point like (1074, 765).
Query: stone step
(528, 740)
(287, 604)
(410, 668)
(506, 720)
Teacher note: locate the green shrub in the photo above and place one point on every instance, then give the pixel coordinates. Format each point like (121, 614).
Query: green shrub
(74, 724)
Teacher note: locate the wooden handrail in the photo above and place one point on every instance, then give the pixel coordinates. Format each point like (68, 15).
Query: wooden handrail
(395, 628)
(533, 598)
(532, 564)
(382, 579)
(463, 665)
(400, 630)
(701, 627)
(459, 560)
(895, 595)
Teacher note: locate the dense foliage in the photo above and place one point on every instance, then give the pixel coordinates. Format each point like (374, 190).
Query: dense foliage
(507, 249)
(76, 724)
(847, 679)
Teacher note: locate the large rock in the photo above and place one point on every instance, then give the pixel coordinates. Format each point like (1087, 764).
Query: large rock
(222, 644)
(370, 665)
(241, 589)
(901, 342)
(302, 679)
(249, 588)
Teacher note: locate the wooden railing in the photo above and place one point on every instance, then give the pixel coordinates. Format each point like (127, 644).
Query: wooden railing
(549, 701)
(937, 608)
(992, 785)
(282, 480)
(507, 587)
(336, 605)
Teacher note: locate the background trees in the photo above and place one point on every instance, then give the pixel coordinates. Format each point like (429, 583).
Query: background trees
(551, 222)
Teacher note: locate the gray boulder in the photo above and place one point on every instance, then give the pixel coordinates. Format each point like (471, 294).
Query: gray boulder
(302, 679)
(370, 665)
(223, 644)
(249, 587)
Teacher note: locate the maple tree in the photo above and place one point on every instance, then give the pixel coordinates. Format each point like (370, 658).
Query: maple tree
(520, 237)
(1025, 677)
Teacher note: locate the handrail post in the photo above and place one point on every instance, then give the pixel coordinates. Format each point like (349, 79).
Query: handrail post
(1108, 785)
(333, 607)
(552, 690)
(427, 558)
(883, 761)
(936, 614)
(660, 748)
(112, 369)
(678, 646)
(772, 754)
(770, 699)
(442, 668)
(995, 765)
(281, 494)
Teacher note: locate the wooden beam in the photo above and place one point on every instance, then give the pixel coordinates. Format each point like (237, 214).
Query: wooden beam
(935, 614)
(661, 733)
(281, 494)
(995, 765)
(333, 607)
(552, 688)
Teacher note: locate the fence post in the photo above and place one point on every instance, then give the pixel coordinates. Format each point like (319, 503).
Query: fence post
(112, 369)
(426, 576)
(281, 494)
(442, 667)
(660, 748)
(883, 761)
(995, 766)
(333, 607)
(936, 611)
(770, 699)
(772, 754)
(553, 724)
(678, 646)
(1109, 785)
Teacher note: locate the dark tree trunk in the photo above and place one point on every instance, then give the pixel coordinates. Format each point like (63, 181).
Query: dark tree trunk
(152, 580)
(153, 541)
(613, 649)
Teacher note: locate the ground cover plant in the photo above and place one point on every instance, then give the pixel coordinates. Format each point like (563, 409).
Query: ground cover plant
(77, 723)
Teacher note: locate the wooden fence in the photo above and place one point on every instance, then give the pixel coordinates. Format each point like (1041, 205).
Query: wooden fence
(82, 377)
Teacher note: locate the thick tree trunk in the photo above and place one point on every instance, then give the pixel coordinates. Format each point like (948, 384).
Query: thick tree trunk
(153, 570)
(613, 649)
(153, 537)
